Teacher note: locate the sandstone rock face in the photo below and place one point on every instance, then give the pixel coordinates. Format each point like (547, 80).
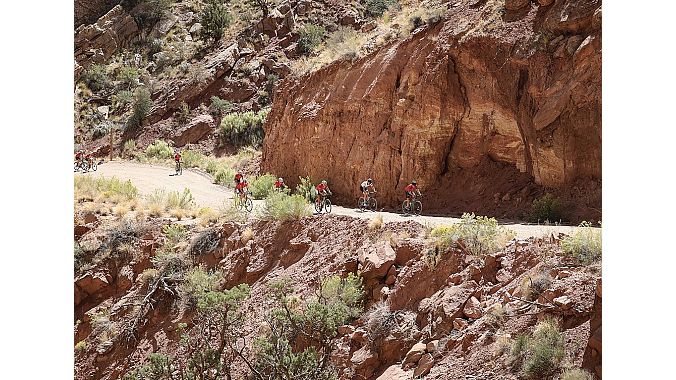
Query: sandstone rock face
(414, 354)
(424, 365)
(376, 260)
(195, 130)
(394, 373)
(513, 5)
(97, 42)
(88, 11)
(461, 114)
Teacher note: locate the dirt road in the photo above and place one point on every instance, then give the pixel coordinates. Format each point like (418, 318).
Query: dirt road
(147, 178)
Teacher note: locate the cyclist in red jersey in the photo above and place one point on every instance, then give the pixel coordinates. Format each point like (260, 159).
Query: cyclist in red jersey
(279, 184)
(238, 177)
(177, 156)
(411, 190)
(240, 188)
(322, 190)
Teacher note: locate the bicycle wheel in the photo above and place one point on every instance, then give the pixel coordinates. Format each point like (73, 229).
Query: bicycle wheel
(327, 205)
(85, 167)
(94, 166)
(360, 204)
(417, 207)
(373, 204)
(318, 205)
(405, 207)
(76, 167)
(248, 205)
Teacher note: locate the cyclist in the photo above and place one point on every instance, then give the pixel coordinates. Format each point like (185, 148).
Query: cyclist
(280, 185)
(177, 156)
(365, 187)
(240, 188)
(88, 157)
(322, 190)
(79, 155)
(238, 177)
(411, 190)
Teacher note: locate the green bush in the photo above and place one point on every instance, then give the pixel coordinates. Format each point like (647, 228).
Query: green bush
(192, 159)
(159, 367)
(197, 283)
(149, 11)
(224, 177)
(262, 186)
(314, 323)
(280, 206)
(479, 235)
(177, 200)
(128, 76)
(310, 36)
(306, 189)
(244, 128)
(113, 189)
(219, 106)
(95, 78)
(376, 8)
(160, 149)
(175, 233)
(546, 208)
(182, 115)
(122, 99)
(214, 18)
(141, 108)
(584, 244)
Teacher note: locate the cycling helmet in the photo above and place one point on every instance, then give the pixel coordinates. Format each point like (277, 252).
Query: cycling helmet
(324, 182)
(280, 179)
(414, 182)
(370, 180)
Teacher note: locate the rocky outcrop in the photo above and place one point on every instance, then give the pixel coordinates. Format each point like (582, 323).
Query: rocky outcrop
(194, 131)
(98, 42)
(466, 110)
(88, 11)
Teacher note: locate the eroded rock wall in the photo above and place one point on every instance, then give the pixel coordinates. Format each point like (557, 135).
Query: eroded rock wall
(470, 108)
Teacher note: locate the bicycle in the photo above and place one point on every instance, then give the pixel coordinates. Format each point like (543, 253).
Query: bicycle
(92, 164)
(412, 207)
(243, 204)
(323, 203)
(370, 202)
(179, 168)
(82, 165)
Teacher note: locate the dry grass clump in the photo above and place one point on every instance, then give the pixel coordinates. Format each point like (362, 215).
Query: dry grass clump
(376, 223)
(584, 244)
(478, 235)
(88, 188)
(576, 374)
(205, 242)
(491, 20)
(538, 355)
(177, 204)
(533, 286)
(380, 322)
(206, 216)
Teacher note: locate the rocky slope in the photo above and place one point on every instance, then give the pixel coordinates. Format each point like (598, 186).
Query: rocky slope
(444, 316)
(497, 102)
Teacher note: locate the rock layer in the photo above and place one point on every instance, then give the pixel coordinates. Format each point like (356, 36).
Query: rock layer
(468, 107)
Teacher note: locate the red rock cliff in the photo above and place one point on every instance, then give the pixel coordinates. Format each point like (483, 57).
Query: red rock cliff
(485, 107)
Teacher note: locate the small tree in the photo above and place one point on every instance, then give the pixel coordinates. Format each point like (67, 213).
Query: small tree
(263, 5)
(376, 8)
(95, 78)
(214, 18)
(219, 106)
(310, 37)
(141, 108)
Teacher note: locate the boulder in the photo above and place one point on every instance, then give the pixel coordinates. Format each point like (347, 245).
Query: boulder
(394, 372)
(375, 260)
(414, 354)
(472, 308)
(92, 283)
(460, 324)
(365, 362)
(90, 217)
(81, 230)
(194, 131)
(164, 25)
(424, 365)
(432, 346)
(564, 302)
(195, 29)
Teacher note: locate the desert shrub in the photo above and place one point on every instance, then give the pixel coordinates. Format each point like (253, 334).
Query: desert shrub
(539, 354)
(192, 158)
(181, 201)
(128, 76)
(224, 177)
(546, 208)
(310, 36)
(95, 78)
(81, 346)
(158, 367)
(78, 256)
(533, 286)
(576, 374)
(214, 18)
(344, 43)
(244, 128)
(247, 235)
(175, 233)
(129, 147)
(154, 46)
(262, 5)
(306, 189)
(205, 242)
(100, 130)
(149, 11)
(122, 99)
(125, 232)
(110, 189)
(584, 244)
(196, 283)
(376, 8)
(182, 115)
(376, 222)
(141, 107)
(280, 206)
(380, 322)
(160, 149)
(479, 235)
(262, 186)
(315, 322)
(219, 106)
